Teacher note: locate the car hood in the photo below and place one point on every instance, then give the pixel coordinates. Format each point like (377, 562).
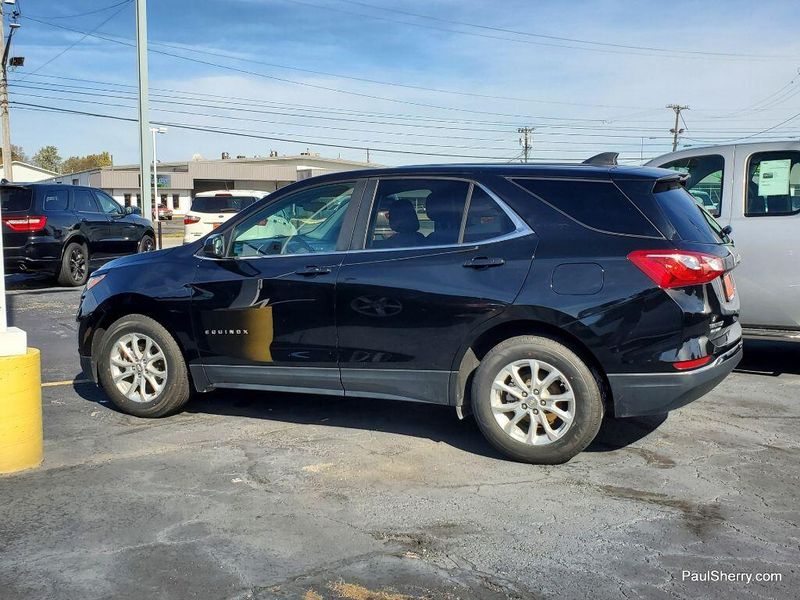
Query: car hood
(137, 259)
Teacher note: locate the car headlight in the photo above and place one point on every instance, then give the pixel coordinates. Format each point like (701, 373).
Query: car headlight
(94, 280)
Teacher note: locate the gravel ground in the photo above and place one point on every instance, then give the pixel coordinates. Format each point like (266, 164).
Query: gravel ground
(249, 495)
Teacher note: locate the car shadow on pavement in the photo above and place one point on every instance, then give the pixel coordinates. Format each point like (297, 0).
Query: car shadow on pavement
(771, 359)
(434, 422)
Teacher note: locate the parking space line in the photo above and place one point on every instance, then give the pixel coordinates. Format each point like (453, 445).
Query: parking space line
(66, 382)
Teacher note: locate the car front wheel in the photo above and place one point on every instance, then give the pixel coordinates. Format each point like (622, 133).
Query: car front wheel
(536, 401)
(147, 243)
(141, 368)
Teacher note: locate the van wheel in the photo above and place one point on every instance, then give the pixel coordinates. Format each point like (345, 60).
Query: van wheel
(141, 368)
(74, 269)
(147, 243)
(536, 401)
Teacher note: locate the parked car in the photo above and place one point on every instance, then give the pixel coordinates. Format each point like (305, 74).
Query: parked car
(164, 213)
(209, 210)
(67, 230)
(757, 192)
(540, 297)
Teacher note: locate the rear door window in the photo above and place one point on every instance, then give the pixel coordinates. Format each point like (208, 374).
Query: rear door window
(221, 204)
(599, 205)
(15, 199)
(690, 220)
(704, 179)
(485, 219)
(55, 200)
(773, 184)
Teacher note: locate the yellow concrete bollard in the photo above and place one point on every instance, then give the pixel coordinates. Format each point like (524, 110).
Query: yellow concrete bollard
(21, 440)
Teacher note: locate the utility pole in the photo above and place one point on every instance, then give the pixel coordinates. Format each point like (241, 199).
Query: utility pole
(145, 150)
(675, 131)
(526, 141)
(367, 155)
(4, 49)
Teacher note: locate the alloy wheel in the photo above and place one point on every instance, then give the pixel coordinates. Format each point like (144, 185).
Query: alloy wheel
(77, 264)
(533, 402)
(138, 367)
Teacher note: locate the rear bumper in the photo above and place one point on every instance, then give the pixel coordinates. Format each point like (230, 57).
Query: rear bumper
(16, 261)
(639, 394)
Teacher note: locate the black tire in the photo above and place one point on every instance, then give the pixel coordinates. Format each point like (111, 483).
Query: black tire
(586, 392)
(176, 389)
(74, 270)
(147, 243)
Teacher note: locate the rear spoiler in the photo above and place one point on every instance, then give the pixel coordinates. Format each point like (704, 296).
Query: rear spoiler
(604, 159)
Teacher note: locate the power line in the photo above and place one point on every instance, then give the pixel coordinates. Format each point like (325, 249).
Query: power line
(560, 38)
(84, 14)
(122, 7)
(599, 46)
(223, 131)
(124, 42)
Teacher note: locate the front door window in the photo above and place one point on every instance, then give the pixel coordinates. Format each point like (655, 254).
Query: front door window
(308, 222)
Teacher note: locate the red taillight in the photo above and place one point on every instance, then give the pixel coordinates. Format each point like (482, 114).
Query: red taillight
(691, 364)
(678, 268)
(190, 220)
(25, 224)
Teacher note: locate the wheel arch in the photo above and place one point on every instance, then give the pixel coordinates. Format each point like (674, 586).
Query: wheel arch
(469, 357)
(74, 238)
(118, 306)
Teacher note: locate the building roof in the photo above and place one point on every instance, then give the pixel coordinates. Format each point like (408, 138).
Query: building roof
(32, 167)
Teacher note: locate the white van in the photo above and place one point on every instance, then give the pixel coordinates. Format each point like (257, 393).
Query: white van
(754, 188)
(209, 210)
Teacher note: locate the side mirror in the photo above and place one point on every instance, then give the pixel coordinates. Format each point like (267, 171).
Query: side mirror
(214, 246)
(727, 230)
(133, 210)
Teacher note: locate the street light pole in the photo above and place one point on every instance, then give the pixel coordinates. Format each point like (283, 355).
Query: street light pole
(156, 200)
(144, 108)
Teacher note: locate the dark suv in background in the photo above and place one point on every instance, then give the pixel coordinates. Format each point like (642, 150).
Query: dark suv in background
(538, 297)
(66, 230)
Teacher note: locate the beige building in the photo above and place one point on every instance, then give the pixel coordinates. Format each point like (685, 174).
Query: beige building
(178, 182)
(22, 172)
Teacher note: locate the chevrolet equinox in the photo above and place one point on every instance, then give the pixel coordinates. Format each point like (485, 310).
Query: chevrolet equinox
(537, 297)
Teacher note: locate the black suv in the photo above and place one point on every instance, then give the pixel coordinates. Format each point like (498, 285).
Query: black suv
(538, 297)
(66, 230)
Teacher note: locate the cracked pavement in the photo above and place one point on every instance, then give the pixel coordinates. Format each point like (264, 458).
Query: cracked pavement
(259, 495)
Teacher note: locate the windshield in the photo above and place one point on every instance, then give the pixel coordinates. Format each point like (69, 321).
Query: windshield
(221, 204)
(15, 199)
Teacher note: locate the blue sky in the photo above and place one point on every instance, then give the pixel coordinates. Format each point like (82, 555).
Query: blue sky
(286, 68)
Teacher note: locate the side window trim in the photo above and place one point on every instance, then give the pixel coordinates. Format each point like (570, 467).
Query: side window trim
(746, 191)
(521, 228)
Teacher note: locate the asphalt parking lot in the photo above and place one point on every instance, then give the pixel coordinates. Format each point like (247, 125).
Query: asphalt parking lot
(249, 495)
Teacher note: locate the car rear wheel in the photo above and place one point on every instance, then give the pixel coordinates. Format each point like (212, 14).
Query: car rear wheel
(147, 243)
(74, 269)
(536, 401)
(141, 368)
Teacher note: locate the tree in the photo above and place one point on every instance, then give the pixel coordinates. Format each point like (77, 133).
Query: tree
(48, 158)
(17, 153)
(75, 164)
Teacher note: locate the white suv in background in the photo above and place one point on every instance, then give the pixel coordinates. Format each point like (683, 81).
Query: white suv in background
(210, 209)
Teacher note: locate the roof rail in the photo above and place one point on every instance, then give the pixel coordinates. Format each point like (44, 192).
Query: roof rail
(604, 159)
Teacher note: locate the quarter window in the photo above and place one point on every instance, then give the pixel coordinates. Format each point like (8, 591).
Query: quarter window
(773, 184)
(595, 204)
(704, 182)
(305, 222)
(56, 200)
